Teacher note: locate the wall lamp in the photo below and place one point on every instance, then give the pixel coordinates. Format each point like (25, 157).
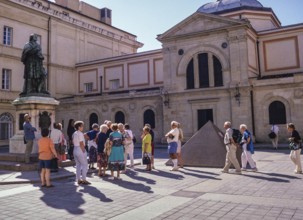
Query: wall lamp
(238, 94)
(165, 98)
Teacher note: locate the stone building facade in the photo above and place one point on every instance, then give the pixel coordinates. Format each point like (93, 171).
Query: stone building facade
(230, 60)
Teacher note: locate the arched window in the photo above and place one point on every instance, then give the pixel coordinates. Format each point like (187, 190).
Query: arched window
(203, 70)
(93, 118)
(6, 126)
(120, 117)
(208, 76)
(190, 79)
(149, 118)
(217, 72)
(277, 113)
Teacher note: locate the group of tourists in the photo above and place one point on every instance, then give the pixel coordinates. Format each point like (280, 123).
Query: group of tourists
(232, 141)
(111, 144)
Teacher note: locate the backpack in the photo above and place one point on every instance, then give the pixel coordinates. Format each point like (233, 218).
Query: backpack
(237, 136)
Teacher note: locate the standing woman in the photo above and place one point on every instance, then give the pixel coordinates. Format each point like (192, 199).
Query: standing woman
(70, 131)
(247, 148)
(46, 153)
(80, 153)
(116, 157)
(172, 140)
(62, 155)
(102, 157)
(146, 145)
(56, 136)
(295, 146)
(91, 136)
(180, 139)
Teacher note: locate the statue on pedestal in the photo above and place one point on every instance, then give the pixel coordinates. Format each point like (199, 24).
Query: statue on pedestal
(34, 72)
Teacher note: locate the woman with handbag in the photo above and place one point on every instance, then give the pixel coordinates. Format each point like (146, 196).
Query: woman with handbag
(102, 156)
(146, 148)
(116, 157)
(295, 147)
(56, 136)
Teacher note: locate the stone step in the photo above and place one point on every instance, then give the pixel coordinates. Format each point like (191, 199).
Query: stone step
(17, 157)
(19, 166)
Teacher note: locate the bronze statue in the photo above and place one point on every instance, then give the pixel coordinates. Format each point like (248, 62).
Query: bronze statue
(34, 72)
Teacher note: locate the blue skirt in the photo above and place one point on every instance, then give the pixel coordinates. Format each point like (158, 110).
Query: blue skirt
(116, 154)
(172, 147)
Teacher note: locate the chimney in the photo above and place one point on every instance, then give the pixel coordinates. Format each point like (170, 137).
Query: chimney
(71, 4)
(106, 15)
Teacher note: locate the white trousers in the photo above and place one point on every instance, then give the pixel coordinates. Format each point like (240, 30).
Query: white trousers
(275, 141)
(129, 150)
(81, 163)
(295, 156)
(247, 157)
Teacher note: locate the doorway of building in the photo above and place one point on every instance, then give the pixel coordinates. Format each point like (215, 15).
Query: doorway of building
(204, 115)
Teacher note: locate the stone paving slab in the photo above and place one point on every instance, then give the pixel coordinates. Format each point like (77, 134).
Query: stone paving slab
(274, 192)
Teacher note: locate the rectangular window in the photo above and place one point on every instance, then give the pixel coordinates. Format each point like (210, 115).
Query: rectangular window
(7, 35)
(114, 84)
(6, 79)
(88, 87)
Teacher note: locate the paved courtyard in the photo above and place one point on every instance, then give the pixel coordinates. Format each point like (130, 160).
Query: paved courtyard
(191, 193)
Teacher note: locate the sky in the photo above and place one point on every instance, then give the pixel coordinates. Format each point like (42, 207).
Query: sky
(148, 18)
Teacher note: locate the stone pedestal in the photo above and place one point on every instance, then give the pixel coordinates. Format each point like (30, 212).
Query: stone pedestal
(34, 106)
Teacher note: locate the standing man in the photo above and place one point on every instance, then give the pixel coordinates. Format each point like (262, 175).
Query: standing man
(275, 129)
(231, 149)
(29, 136)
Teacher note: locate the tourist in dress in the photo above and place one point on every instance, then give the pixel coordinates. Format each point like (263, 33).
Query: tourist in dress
(121, 129)
(56, 136)
(180, 139)
(62, 155)
(172, 139)
(231, 149)
(146, 145)
(80, 153)
(295, 146)
(116, 157)
(102, 157)
(247, 149)
(129, 145)
(275, 129)
(91, 136)
(70, 131)
(46, 153)
(29, 136)
(152, 159)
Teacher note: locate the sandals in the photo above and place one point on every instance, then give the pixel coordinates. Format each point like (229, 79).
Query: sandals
(85, 182)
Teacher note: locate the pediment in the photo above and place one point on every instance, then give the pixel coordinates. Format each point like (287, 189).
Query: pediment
(199, 23)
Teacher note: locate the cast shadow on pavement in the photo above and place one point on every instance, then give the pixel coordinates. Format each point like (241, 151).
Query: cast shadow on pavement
(198, 175)
(64, 197)
(172, 174)
(139, 187)
(281, 175)
(199, 171)
(134, 175)
(95, 193)
(271, 179)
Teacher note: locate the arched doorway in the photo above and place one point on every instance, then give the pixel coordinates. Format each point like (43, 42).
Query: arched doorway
(149, 118)
(120, 117)
(93, 118)
(6, 126)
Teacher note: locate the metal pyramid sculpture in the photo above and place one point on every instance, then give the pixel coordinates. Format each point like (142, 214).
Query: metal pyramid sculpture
(205, 148)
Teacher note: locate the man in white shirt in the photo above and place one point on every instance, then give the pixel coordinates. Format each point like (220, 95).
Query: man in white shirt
(231, 149)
